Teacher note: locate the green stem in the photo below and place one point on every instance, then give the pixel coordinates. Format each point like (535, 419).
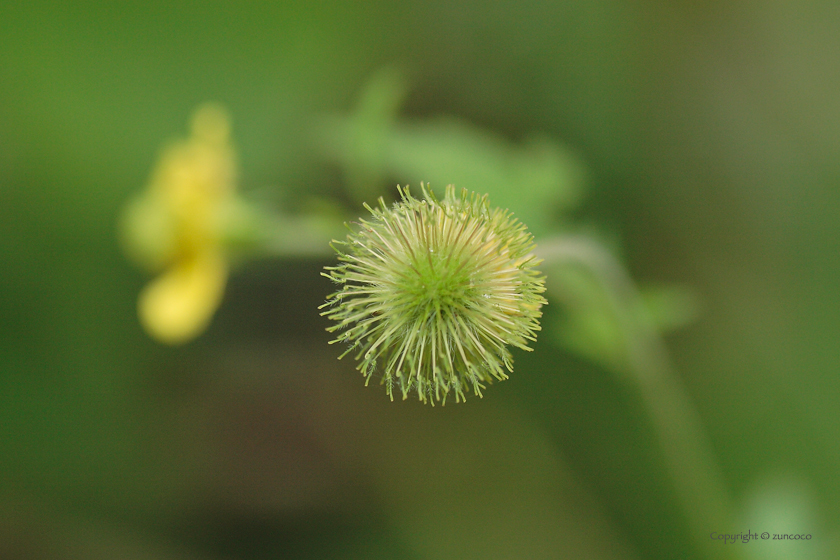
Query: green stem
(686, 452)
(305, 236)
(255, 231)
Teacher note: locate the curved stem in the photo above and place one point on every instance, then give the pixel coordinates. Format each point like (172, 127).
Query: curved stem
(684, 447)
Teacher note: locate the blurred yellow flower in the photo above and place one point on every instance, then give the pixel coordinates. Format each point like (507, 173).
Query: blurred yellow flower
(177, 227)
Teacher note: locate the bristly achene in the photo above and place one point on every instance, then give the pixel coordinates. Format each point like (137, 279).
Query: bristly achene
(433, 292)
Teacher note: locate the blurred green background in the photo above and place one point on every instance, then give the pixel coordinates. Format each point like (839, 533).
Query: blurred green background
(710, 133)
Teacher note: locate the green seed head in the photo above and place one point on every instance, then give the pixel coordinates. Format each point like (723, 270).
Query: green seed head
(433, 293)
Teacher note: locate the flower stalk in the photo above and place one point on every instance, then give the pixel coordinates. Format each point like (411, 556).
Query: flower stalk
(685, 449)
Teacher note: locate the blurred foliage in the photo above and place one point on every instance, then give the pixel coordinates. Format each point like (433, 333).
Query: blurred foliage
(709, 134)
(375, 146)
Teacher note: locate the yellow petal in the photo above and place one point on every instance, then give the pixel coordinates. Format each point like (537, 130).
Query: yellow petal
(148, 232)
(178, 305)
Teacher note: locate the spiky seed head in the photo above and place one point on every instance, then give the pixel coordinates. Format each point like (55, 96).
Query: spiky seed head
(433, 293)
